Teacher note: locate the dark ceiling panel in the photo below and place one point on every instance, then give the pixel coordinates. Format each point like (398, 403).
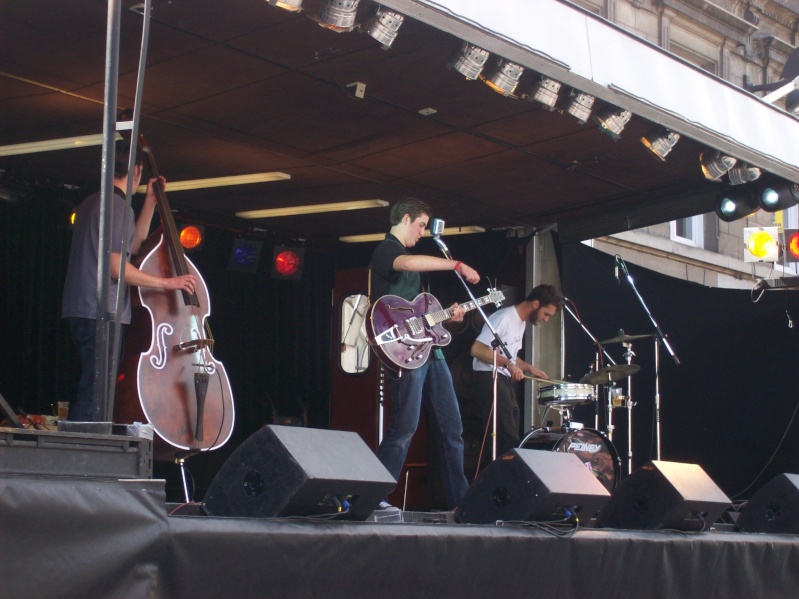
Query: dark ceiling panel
(239, 86)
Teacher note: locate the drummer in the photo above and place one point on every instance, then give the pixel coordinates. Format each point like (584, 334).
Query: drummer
(540, 305)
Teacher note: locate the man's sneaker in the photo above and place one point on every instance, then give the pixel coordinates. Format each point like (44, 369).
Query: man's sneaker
(385, 512)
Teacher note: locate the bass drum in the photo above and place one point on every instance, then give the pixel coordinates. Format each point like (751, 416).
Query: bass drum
(591, 446)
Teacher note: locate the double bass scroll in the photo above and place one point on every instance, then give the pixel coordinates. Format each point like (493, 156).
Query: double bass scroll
(168, 375)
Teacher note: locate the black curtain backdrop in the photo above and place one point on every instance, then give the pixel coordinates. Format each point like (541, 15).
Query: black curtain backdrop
(731, 400)
(273, 336)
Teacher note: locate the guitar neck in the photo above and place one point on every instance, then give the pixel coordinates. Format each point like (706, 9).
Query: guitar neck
(446, 314)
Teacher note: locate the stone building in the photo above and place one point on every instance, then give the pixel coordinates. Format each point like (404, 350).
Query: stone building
(746, 43)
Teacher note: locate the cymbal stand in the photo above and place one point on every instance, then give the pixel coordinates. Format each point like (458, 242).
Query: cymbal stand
(659, 338)
(628, 354)
(598, 355)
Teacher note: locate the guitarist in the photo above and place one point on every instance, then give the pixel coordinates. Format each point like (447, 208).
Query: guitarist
(394, 271)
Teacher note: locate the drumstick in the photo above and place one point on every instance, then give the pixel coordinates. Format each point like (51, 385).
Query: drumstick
(540, 380)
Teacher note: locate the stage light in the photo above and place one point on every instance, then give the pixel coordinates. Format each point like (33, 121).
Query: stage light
(761, 244)
(192, 237)
(470, 61)
(735, 203)
(579, 105)
(778, 195)
(743, 173)
(290, 5)
(544, 91)
(385, 26)
(791, 246)
(287, 263)
(338, 15)
(660, 142)
(246, 255)
(312, 209)
(612, 121)
(714, 164)
(505, 77)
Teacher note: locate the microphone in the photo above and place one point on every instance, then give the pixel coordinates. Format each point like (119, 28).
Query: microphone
(436, 227)
(616, 271)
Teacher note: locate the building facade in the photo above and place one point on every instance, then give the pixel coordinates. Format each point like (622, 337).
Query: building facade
(745, 42)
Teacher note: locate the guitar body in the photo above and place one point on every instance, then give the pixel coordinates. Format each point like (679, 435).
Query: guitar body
(399, 332)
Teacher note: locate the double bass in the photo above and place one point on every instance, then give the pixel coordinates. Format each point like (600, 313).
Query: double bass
(168, 376)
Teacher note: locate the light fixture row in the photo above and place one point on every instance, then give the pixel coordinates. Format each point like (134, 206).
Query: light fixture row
(504, 77)
(341, 16)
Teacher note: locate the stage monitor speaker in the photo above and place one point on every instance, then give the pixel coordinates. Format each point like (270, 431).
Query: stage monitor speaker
(774, 508)
(292, 471)
(668, 495)
(533, 486)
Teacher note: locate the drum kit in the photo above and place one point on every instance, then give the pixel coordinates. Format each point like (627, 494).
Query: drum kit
(593, 446)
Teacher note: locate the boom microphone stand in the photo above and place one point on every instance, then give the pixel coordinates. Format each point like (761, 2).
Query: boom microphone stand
(577, 319)
(658, 337)
(436, 229)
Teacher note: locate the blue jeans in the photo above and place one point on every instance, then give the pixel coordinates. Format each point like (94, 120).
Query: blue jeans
(84, 335)
(431, 385)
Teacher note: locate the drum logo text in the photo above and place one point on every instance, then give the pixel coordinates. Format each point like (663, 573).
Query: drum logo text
(586, 447)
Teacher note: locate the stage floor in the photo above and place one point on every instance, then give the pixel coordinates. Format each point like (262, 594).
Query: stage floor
(92, 538)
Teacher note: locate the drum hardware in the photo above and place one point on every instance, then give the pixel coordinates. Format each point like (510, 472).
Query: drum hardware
(563, 397)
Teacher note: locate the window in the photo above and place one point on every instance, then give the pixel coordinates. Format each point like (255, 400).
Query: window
(689, 230)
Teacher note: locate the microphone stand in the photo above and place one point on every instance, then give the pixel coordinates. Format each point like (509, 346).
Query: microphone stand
(659, 336)
(497, 344)
(607, 355)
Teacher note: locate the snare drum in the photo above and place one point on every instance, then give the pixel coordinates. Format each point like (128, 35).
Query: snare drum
(567, 395)
(592, 447)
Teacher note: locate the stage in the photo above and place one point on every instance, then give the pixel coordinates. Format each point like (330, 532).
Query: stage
(81, 537)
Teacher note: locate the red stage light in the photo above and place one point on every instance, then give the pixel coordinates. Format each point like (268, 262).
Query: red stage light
(191, 237)
(791, 251)
(287, 263)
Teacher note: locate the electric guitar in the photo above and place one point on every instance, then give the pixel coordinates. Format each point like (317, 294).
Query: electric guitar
(402, 333)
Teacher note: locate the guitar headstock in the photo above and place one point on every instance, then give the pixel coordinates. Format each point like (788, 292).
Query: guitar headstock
(496, 297)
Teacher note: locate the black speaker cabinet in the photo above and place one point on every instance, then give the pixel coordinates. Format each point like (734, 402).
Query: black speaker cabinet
(774, 508)
(532, 485)
(293, 471)
(665, 495)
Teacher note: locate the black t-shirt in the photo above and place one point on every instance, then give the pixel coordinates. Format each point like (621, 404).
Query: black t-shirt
(386, 280)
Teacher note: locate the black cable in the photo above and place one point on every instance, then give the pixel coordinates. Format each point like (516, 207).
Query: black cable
(773, 455)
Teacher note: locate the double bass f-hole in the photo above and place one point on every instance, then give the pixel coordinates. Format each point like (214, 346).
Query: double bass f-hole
(180, 388)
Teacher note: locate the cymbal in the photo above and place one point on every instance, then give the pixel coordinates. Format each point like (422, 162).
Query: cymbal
(610, 374)
(623, 339)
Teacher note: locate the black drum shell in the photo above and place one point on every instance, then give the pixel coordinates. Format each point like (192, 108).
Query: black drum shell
(592, 447)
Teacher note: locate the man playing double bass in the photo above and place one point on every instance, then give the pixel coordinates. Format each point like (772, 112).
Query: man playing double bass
(79, 301)
(395, 271)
